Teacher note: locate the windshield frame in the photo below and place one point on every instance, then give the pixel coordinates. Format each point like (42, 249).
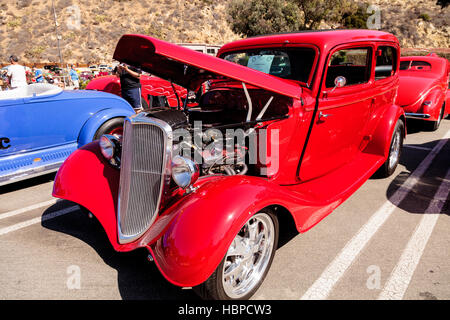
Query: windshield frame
(282, 47)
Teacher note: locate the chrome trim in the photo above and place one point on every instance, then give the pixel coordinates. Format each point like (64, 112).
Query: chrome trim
(29, 173)
(418, 115)
(142, 118)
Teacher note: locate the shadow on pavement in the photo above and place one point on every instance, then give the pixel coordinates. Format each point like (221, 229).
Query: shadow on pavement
(27, 183)
(137, 278)
(422, 194)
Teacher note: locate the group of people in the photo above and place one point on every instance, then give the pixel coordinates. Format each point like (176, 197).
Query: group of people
(16, 76)
(129, 79)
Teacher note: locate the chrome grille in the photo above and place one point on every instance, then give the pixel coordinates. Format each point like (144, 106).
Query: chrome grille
(144, 164)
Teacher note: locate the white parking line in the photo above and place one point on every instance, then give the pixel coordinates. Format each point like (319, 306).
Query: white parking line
(30, 222)
(416, 147)
(29, 208)
(400, 278)
(322, 287)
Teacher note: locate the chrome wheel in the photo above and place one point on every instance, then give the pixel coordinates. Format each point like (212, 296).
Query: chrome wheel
(248, 256)
(394, 153)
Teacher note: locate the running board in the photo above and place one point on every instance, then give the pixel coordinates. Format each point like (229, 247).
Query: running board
(332, 189)
(27, 165)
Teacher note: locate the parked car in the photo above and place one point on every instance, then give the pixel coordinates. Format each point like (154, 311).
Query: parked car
(155, 91)
(86, 75)
(40, 125)
(423, 91)
(316, 119)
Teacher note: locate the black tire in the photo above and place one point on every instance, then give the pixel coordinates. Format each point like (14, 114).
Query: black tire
(395, 151)
(213, 288)
(144, 104)
(109, 127)
(434, 125)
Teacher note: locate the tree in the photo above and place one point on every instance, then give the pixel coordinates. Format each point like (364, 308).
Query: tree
(256, 17)
(314, 11)
(355, 18)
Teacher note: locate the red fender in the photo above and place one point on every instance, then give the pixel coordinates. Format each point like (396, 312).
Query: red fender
(381, 138)
(88, 180)
(437, 98)
(207, 221)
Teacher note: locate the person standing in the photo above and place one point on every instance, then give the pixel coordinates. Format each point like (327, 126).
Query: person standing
(16, 73)
(74, 77)
(130, 82)
(38, 75)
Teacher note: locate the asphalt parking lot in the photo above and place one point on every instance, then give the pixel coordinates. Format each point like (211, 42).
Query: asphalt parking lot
(389, 240)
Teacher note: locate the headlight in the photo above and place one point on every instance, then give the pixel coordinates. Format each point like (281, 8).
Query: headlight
(184, 171)
(107, 146)
(110, 148)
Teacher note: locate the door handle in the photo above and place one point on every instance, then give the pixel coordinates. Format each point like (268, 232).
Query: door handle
(323, 116)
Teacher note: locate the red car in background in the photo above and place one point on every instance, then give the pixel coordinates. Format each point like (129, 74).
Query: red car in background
(315, 113)
(423, 92)
(155, 91)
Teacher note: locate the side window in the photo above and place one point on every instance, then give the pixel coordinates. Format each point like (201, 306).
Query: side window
(420, 65)
(386, 62)
(353, 64)
(405, 65)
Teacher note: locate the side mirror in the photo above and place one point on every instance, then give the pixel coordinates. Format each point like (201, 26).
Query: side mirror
(339, 82)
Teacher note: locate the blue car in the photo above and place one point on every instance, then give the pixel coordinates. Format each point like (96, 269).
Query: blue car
(41, 125)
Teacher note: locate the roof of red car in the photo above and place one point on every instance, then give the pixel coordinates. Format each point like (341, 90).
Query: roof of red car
(439, 66)
(321, 38)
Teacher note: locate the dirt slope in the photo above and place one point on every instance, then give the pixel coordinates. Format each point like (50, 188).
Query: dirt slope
(90, 29)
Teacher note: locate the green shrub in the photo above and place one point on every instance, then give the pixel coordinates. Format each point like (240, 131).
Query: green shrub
(424, 17)
(356, 19)
(257, 17)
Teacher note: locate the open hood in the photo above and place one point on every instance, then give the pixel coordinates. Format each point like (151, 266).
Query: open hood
(189, 68)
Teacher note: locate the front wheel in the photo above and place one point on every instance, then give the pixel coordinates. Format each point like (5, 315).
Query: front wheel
(395, 151)
(246, 262)
(113, 127)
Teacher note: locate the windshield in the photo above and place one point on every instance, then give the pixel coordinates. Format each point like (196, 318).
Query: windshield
(286, 63)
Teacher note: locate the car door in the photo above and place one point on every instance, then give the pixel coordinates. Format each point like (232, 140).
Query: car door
(342, 112)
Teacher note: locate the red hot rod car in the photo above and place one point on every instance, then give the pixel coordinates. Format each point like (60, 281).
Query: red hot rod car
(423, 92)
(320, 106)
(155, 91)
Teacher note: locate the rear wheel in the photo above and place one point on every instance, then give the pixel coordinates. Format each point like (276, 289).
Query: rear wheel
(395, 151)
(246, 262)
(113, 127)
(434, 125)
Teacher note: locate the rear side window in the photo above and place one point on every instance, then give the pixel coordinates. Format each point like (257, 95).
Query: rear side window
(415, 65)
(420, 65)
(353, 64)
(386, 62)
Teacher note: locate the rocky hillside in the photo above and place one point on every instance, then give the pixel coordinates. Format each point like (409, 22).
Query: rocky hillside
(89, 30)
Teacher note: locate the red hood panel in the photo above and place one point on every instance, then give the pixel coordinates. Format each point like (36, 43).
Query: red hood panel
(190, 69)
(413, 88)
